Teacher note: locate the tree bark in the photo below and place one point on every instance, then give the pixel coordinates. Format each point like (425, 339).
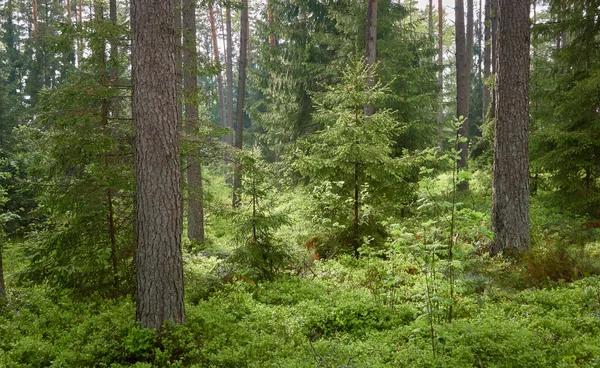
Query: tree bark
(239, 122)
(487, 59)
(190, 88)
(158, 224)
(510, 187)
(462, 85)
(371, 47)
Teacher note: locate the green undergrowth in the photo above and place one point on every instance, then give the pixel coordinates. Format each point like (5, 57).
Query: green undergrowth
(304, 322)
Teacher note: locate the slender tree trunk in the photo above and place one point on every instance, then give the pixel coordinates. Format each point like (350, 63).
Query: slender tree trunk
(79, 21)
(440, 61)
(69, 11)
(371, 47)
(190, 88)
(217, 61)
(510, 187)
(462, 86)
(239, 123)
(487, 59)
(229, 75)
(104, 112)
(430, 19)
(36, 34)
(248, 48)
(494, 47)
(159, 295)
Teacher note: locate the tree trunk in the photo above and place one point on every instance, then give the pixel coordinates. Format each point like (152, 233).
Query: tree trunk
(440, 61)
(190, 88)
(79, 20)
(430, 19)
(158, 224)
(217, 61)
(36, 34)
(494, 47)
(239, 122)
(229, 75)
(462, 86)
(487, 59)
(371, 47)
(104, 112)
(510, 187)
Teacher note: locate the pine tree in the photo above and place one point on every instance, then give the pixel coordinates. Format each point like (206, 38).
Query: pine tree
(510, 186)
(158, 212)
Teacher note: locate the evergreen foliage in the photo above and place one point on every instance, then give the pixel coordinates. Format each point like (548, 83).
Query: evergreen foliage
(82, 160)
(258, 219)
(352, 156)
(565, 89)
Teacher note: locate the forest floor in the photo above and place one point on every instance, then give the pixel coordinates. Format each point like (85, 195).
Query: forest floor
(404, 305)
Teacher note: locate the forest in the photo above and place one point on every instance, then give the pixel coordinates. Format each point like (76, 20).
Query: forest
(299, 183)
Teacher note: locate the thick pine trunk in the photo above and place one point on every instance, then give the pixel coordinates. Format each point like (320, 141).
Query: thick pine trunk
(159, 295)
(239, 122)
(510, 188)
(190, 88)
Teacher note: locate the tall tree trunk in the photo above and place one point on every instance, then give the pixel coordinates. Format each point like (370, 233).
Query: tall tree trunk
(510, 187)
(104, 112)
(371, 47)
(190, 92)
(69, 11)
(494, 47)
(248, 48)
(79, 21)
(158, 222)
(440, 62)
(462, 85)
(229, 75)
(217, 61)
(487, 59)
(36, 34)
(430, 19)
(239, 122)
